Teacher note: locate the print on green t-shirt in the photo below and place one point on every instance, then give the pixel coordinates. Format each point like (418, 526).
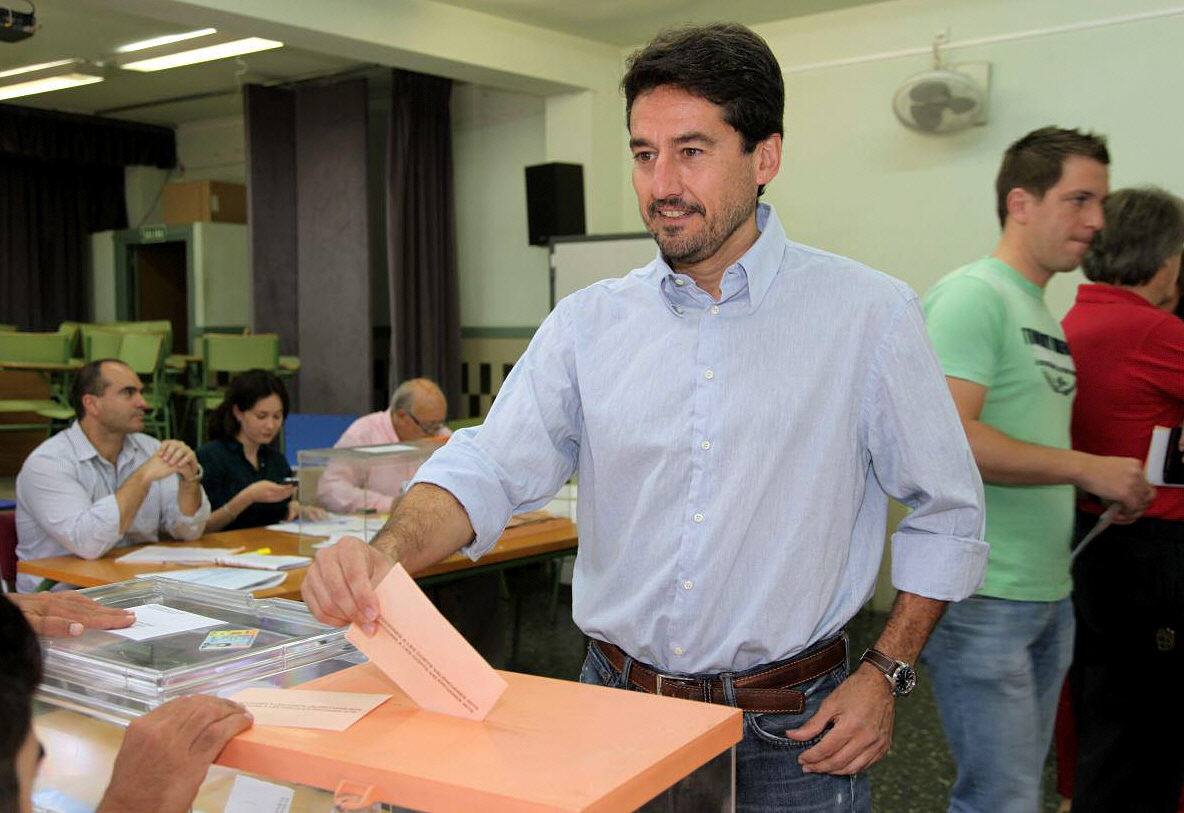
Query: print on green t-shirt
(989, 325)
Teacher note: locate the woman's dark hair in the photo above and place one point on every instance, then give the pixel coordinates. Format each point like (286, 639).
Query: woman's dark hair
(245, 390)
(726, 64)
(19, 677)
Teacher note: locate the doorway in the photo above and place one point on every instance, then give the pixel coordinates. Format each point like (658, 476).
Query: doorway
(160, 285)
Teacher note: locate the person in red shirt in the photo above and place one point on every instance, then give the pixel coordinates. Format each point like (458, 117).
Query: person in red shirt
(1128, 593)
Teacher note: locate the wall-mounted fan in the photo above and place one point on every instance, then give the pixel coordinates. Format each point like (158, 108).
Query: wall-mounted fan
(945, 99)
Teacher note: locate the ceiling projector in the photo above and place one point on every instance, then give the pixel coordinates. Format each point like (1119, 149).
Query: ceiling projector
(16, 25)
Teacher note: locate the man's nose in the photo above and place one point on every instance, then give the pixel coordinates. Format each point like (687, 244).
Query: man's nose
(667, 180)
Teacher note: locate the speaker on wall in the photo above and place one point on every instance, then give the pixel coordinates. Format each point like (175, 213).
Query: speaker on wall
(554, 201)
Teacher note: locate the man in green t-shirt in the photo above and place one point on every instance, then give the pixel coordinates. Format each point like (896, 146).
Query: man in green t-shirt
(998, 659)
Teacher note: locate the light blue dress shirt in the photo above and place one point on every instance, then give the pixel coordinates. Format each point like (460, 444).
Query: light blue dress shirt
(735, 458)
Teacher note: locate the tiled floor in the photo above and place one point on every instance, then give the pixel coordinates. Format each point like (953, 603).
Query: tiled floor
(916, 775)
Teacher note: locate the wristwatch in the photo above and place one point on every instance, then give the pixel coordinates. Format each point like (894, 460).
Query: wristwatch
(197, 477)
(901, 676)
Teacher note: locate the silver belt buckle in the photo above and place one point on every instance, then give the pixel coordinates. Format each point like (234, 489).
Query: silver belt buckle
(660, 678)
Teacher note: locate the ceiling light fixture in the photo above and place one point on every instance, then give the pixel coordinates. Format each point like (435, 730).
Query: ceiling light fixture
(202, 46)
(48, 76)
(167, 39)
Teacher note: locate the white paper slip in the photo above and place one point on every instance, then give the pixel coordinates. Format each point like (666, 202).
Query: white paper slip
(304, 708)
(1165, 463)
(175, 555)
(332, 524)
(155, 620)
(264, 561)
(249, 795)
(228, 578)
(389, 447)
(365, 536)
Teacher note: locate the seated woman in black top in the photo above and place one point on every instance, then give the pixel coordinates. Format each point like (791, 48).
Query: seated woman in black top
(242, 473)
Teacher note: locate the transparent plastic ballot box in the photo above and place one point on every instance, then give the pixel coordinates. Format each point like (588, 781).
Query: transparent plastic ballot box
(546, 745)
(243, 641)
(353, 488)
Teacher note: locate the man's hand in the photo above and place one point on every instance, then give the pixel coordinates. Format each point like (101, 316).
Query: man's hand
(178, 455)
(68, 613)
(267, 491)
(339, 587)
(166, 753)
(1121, 480)
(862, 710)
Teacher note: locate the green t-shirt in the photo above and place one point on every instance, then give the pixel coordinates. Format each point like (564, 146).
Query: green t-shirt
(990, 325)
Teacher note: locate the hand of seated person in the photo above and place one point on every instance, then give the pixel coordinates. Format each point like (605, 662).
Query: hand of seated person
(69, 613)
(267, 491)
(166, 753)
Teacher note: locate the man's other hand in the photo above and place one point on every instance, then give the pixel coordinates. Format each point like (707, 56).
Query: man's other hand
(339, 587)
(166, 753)
(1121, 480)
(68, 613)
(862, 710)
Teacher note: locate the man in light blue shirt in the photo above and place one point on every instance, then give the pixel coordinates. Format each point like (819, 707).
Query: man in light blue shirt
(739, 412)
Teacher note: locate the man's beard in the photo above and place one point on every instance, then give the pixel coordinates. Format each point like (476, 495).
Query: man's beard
(687, 249)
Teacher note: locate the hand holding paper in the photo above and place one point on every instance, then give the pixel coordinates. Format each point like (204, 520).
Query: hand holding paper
(420, 651)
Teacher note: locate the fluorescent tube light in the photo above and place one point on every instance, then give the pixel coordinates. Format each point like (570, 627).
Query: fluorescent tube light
(207, 53)
(167, 39)
(47, 76)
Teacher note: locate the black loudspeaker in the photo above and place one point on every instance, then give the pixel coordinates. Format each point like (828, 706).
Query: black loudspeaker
(554, 201)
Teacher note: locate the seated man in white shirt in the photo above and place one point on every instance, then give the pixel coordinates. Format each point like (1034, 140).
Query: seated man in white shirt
(102, 484)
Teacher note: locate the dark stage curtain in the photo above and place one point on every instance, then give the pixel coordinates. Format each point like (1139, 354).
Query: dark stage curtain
(61, 178)
(421, 238)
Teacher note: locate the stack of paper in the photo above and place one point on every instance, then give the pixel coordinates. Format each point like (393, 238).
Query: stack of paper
(334, 523)
(263, 561)
(228, 578)
(175, 555)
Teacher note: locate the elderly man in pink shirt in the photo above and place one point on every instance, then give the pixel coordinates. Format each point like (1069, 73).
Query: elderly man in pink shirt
(417, 411)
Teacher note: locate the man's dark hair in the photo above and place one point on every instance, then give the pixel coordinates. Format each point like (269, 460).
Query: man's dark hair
(1144, 227)
(89, 381)
(1034, 163)
(246, 390)
(20, 672)
(726, 64)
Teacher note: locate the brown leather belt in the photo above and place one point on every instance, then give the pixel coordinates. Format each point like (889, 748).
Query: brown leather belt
(765, 692)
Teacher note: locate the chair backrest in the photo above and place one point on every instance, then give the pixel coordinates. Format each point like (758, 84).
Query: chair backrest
(35, 347)
(143, 352)
(147, 326)
(74, 331)
(233, 354)
(100, 343)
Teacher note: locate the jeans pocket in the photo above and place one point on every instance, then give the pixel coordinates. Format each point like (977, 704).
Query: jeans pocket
(771, 728)
(597, 671)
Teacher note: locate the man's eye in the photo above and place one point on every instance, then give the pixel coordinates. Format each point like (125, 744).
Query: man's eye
(690, 152)
(642, 157)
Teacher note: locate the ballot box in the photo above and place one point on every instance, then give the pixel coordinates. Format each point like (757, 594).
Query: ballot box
(353, 488)
(187, 639)
(547, 745)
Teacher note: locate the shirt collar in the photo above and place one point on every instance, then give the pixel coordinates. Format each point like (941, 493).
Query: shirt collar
(1097, 293)
(85, 450)
(755, 269)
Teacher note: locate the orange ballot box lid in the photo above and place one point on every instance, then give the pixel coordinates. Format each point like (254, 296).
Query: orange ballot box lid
(547, 745)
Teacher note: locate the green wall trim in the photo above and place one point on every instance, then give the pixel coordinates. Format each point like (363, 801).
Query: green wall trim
(522, 332)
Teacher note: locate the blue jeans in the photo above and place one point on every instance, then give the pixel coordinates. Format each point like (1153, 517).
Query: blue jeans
(768, 777)
(997, 667)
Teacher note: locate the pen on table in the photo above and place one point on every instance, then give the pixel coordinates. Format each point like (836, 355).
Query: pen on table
(261, 551)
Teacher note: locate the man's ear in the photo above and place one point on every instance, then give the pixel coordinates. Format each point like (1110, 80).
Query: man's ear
(1019, 202)
(768, 158)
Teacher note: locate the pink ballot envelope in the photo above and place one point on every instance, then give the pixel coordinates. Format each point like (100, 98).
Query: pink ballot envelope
(420, 651)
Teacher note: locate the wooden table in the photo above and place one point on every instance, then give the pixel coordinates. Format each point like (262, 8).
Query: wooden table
(518, 546)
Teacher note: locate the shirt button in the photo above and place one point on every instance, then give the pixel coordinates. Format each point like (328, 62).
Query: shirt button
(714, 310)
(678, 650)
(679, 281)
(709, 374)
(697, 517)
(705, 445)
(678, 309)
(688, 584)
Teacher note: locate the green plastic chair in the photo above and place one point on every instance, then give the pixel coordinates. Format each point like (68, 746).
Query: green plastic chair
(101, 343)
(74, 331)
(38, 348)
(222, 357)
(145, 354)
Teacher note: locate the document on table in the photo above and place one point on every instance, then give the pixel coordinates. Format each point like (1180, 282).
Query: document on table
(304, 708)
(250, 795)
(228, 578)
(264, 561)
(420, 651)
(175, 555)
(155, 620)
(365, 536)
(332, 524)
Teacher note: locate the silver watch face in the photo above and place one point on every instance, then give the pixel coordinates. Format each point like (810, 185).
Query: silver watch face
(904, 680)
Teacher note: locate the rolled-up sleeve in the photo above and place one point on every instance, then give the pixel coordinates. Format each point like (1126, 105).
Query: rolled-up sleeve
(177, 524)
(529, 444)
(49, 489)
(921, 457)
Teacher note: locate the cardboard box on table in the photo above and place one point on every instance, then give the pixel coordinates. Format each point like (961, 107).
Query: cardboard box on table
(548, 745)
